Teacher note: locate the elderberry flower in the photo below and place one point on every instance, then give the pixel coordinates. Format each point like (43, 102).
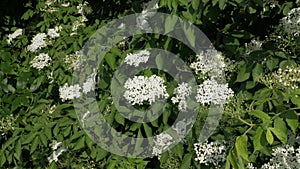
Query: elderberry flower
(14, 35)
(137, 58)
(210, 62)
(81, 7)
(57, 151)
(291, 23)
(284, 158)
(40, 61)
(37, 42)
(73, 59)
(253, 46)
(53, 33)
(210, 153)
(250, 166)
(288, 78)
(161, 143)
(212, 92)
(181, 92)
(67, 92)
(89, 84)
(141, 88)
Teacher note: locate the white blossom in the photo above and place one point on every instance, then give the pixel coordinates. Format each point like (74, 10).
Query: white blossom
(14, 35)
(213, 92)
(181, 93)
(57, 151)
(89, 84)
(161, 143)
(67, 92)
(37, 42)
(284, 158)
(210, 153)
(73, 59)
(141, 88)
(209, 62)
(54, 32)
(253, 46)
(81, 7)
(41, 61)
(137, 58)
(291, 23)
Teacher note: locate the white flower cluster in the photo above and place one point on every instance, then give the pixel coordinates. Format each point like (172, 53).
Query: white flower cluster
(137, 58)
(54, 32)
(40, 40)
(37, 42)
(81, 7)
(284, 158)
(291, 23)
(141, 88)
(182, 92)
(14, 35)
(40, 61)
(253, 46)
(73, 59)
(288, 78)
(210, 153)
(57, 151)
(161, 143)
(89, 84)
(213, 92)
(80, 21)
(209, 63)
(67, 92)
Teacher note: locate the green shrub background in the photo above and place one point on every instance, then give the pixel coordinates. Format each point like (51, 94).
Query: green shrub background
(262, 116)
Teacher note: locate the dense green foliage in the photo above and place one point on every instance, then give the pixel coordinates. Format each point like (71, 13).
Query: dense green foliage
(263, 114)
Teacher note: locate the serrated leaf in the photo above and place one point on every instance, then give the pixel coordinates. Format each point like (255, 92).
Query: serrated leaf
(34, 144)
(170, 23)
(280, 130)
(79, 143)
(243, 74)
(119, 119)
(269, 137)
(257, 71)
(257, 139)
(261, 115)
(186, 161)
(241, 145)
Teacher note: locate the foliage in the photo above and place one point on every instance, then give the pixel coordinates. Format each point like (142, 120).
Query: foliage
(262, 116)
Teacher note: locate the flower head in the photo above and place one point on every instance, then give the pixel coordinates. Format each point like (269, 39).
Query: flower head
(14, 35)
(137, 58)
(141, 88)
(41, 61)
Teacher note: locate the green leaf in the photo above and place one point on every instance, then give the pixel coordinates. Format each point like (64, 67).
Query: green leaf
(148, 130)
(257, 71)
(241, 146)
(270, 137)
(119, 119)
(2, 158)
(34, 144)
(280, 130)
(111, 60)
(18, 150)
(243, 74)
(159, 61)
(257, 139)
(272, 63)
(79, 143)
(195, 4)
(190, 34)
(222, 4)
(170, 23)
(186, 162)
(261, 115)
